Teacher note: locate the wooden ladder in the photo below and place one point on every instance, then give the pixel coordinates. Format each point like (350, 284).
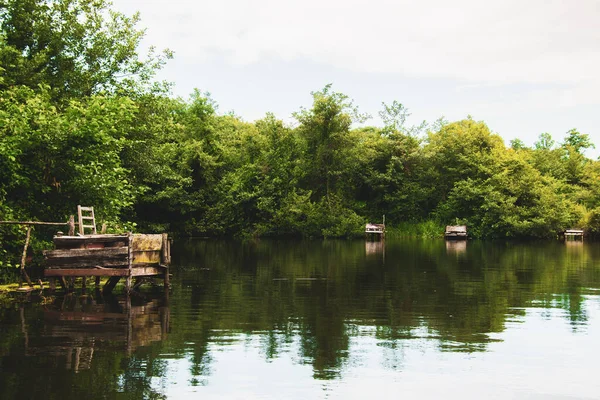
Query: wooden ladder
(89, 216)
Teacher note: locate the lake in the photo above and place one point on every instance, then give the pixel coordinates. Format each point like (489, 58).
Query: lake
(331, 319)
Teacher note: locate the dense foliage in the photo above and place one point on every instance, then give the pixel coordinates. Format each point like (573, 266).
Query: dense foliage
(82, 121)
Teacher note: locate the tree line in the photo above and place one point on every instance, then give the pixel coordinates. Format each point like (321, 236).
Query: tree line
(83, 120)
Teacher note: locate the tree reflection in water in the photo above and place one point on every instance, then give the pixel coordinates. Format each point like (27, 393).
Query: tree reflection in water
(325, 304)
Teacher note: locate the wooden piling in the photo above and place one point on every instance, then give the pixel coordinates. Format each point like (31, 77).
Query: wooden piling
(166, 260)
(71, 224)
(110, 284)
(129, 263)
(24, 274)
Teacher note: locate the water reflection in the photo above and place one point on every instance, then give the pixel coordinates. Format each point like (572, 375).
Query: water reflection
(419, 293)
(456, 246)
(48, 340)
(74, 327)
(374, 247)
(327, 306)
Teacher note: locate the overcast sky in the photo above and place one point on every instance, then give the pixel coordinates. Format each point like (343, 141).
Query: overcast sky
(522, 66)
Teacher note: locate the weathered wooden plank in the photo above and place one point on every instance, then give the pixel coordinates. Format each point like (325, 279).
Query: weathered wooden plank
(147, 271)
(74, 253)
(69, 242)
(34, 223)
(87, 257)
(144, 257)
(74, 263)
(86, 272)
(142, 242)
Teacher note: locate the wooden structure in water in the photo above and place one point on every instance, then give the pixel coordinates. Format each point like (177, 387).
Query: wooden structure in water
(456, 232)
(573, 234)
(129, 256)
(375, 230)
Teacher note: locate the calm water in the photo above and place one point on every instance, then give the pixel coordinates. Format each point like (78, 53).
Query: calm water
(331, 319)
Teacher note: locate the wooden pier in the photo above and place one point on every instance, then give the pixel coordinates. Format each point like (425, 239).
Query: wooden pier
(573, 234)
(134, 257)
(456, 232)
(376, 230)
(129, 256)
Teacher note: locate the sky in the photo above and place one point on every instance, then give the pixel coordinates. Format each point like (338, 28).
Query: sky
(523, 67)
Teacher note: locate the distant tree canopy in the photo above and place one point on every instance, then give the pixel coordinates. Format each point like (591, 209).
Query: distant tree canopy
(77, 48)
(83, 121)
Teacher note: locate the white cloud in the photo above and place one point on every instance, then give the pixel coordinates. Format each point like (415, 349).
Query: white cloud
(523, 66)
(511, 41)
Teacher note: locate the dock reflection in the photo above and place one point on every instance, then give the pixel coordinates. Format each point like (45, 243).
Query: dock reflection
(374, 247)
(75, 327)
(456, 246)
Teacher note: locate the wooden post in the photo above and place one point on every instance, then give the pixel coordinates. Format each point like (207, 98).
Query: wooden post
(71, 225)
(110, 284)
(23, 258)
(81, 231)
(165, 260)
(129, 263)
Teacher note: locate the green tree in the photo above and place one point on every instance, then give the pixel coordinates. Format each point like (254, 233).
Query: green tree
(77, 47)
(55, 159)
(578, 141)
(458, 151)
(326, 127)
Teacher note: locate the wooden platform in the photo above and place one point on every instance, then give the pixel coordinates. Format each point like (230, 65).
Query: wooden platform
(115, 256)
(456, 232)
(375, 230)
(573, 234)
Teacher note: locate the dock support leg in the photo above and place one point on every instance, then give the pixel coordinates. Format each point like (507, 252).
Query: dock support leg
(110, 284)
(97, 282)
(128, 284)
(137, 282)
(129, 262)
(166, 280)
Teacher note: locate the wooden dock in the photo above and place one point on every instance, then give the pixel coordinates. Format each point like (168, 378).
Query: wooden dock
(376, 230)
(456, 232)
(573, 234)
(129, 256)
